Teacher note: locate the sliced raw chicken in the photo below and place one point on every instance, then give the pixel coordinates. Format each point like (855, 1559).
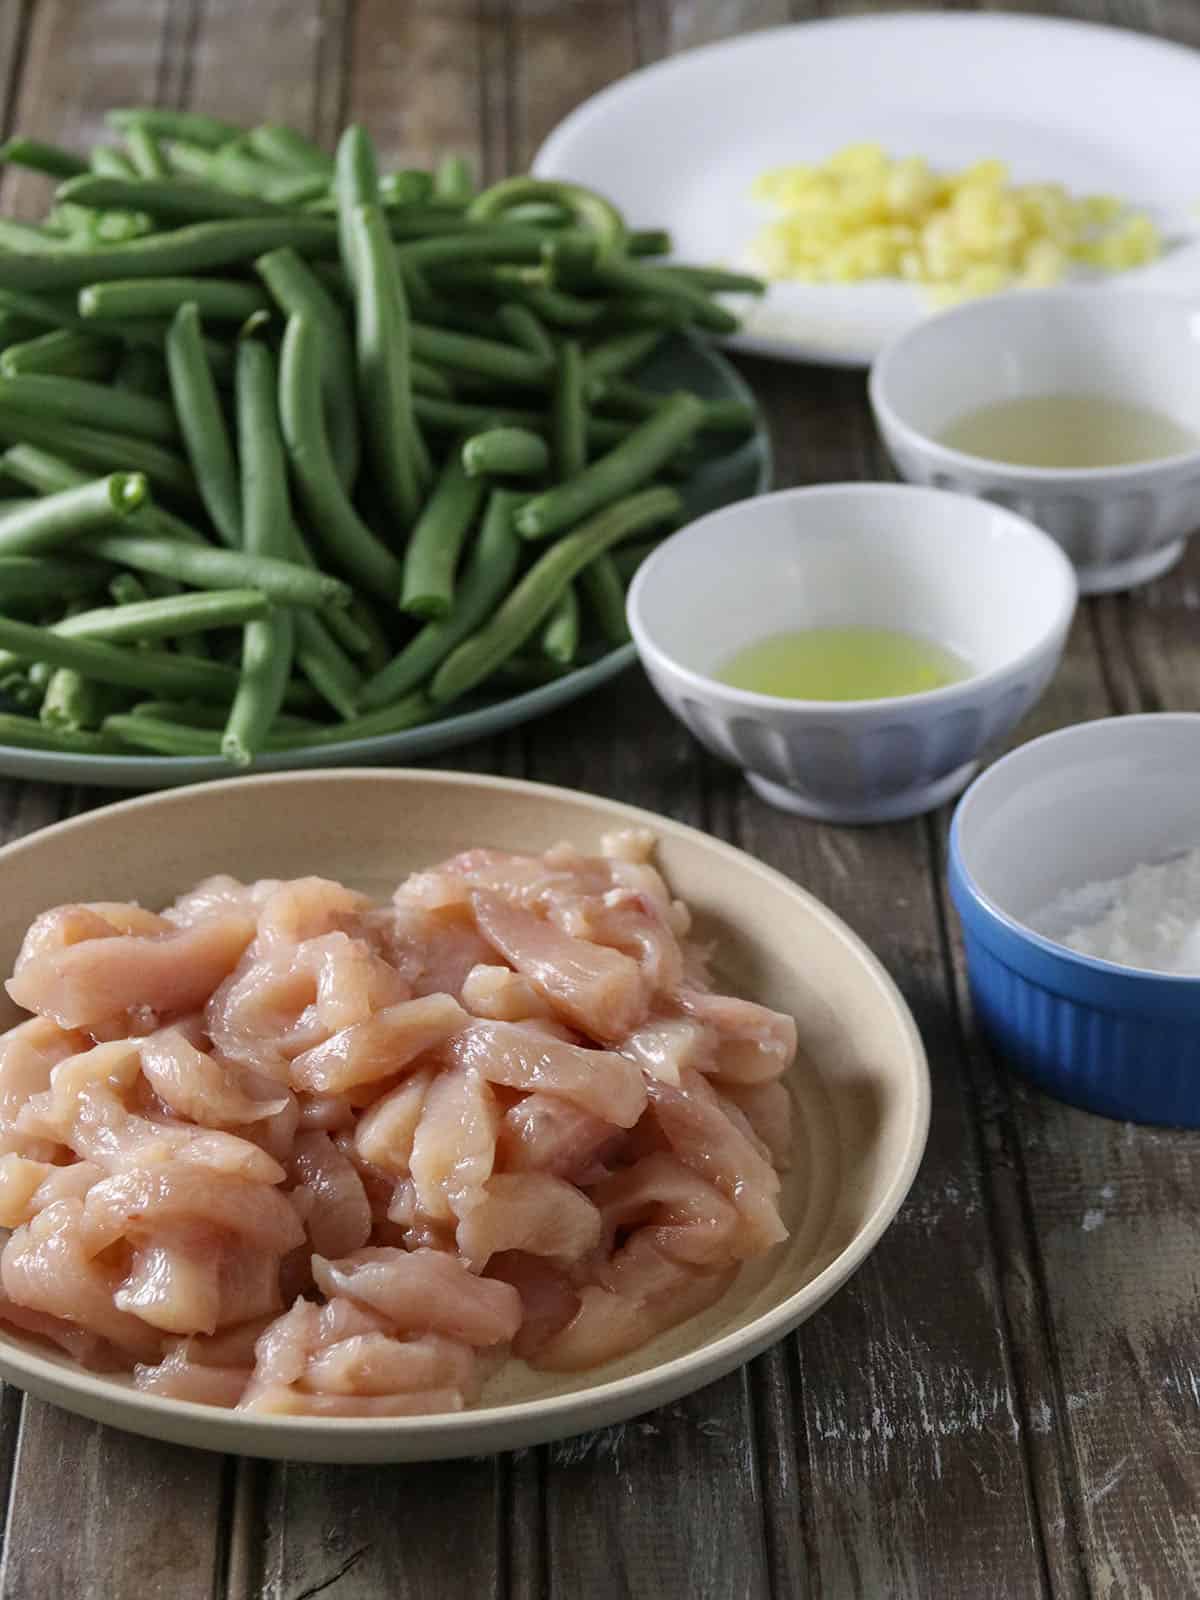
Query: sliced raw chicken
(529, 1211)
(665, 1046)
(177, 1378)
(198, 1086)
(218, 894)
(340, 1216)
(424, 1291)
(384, 1133)
(549, 1299)
(307, 908)
(754, 1044)
(686, 1217)
(545, 1133)
(454, 1145)
(376, 1364)
(28, 1054)
(432, 948)
(502, 995)
(144, 1199)
(27, 1187)
(379, 1048)
(600, 1081)
(594, 988)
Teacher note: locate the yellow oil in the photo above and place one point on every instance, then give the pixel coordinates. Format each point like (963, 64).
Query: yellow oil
(842, 664)
(1069, 430)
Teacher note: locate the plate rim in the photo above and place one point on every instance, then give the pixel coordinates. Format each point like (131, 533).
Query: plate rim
(548, 1418)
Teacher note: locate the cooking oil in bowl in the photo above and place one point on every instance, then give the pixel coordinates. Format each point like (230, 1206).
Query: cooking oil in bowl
(1068, 431)
(854, 663)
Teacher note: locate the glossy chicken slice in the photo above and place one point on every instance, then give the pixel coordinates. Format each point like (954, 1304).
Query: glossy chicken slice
(545, 1133)
(380, 1047)
(47, 1267)
(454, 1144)
(91, 983)
(177, 1378)
(767, 1110)
(599, 1081)
(433, 949)
(502, 995)
(754, 1044)
(28, 1054)
(340, 1216)
(685, 1216)
(144, 1199)
(218, 894)
(590, 986)
(424, 1291)
(376, 1364)
(665, 1046)
(549, 1299)
(532, 1212)
(88, 1348)
(384, 1133)
(704, 1138)
(63, 926)
(198, 1086)
(174, 1280)
(307, 908)
(27, 1187)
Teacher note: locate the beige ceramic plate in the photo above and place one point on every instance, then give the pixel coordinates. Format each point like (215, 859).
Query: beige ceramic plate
(861, 1086)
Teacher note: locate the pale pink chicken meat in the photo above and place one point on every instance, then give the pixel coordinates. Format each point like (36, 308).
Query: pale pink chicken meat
(282, 1150)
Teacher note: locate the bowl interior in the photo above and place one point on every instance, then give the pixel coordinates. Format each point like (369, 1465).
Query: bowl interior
(1081, 806)
(967, 575)
(859, 1086)
(1140, 349)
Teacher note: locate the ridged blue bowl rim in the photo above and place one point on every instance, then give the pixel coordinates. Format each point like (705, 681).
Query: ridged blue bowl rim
(1125, 991)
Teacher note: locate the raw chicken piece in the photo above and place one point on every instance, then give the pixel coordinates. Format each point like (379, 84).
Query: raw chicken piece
(454, 1146)
(384, 1134)
(27, 1187)
(548, 1297)
(46, 1266)
(340, 1217)
(754, 1044)
(502, 995)
(529, 1211)
(648, 1295)
(297, 1403)
(248, 1283)
(545, 1133)
(174, 1280)
(433, 949)
(88, 1348)
(703, 1137)
(62, 926)
(306, 908)
(686, 1217)
(199, 1086)
(275, 1134)
(375, 1364)
(218, 894)
(28, 1054)
(230, 1347)
(177, 1378)
(103, 979)
(664, 1046)
(424, 1291)
(592, 987)
(626, 920)
(381, 1047)
(597, 1080)
(142, 1200)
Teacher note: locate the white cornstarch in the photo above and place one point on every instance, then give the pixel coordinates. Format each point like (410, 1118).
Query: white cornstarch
(1150, 918)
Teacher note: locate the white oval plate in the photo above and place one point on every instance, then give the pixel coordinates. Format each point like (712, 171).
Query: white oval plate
(678, 145)
(860, 1086)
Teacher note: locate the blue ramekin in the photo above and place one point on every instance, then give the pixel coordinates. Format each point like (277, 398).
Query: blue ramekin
(1087, 803)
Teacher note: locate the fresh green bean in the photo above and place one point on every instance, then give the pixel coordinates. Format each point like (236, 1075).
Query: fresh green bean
(29, 239)
(505, 452)
(43, 310)
(41, 157)
(298, 291)
(145, 153)
(267, 642)
(59, 353)
(126, 590)
(720, 416)
(605, 595)
(171, 617)
(535, 596)
(437, 540)
(525, 285)
(453, 179)
(570, 412)
(283, 146)
(59, 519)
(223, 299)
(626, 467)
(349, 541)
(153, 670)
(18, 690)
(457, 416)
(716, 280)
(197, 248)
(168, 199)
(98, 449)
(193, 126)
(649, 242)
(356, 184)
(173, 739)
(48, 578)
(106, 161)
(31, 734)
(429, 380)
(73, 702)
(37, 469)
(501, 243)
(630, 277)
(97, 405)
(203, 567)
(326, 665)
(202, 424)
(486, 356)
(611, 358)
(140, 370)
(383, 352)
(593, 211)
(525, 331)
(560, 633)
(411, 187)
(489, 571)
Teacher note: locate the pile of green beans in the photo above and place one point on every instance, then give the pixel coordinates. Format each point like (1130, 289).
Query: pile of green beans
(295, 451)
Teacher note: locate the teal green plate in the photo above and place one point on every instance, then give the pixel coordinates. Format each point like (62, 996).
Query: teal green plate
(733, 475)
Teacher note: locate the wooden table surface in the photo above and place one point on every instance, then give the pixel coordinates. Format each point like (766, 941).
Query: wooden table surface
(1005, 1400)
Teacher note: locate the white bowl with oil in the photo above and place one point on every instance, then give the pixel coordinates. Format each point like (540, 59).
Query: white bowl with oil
(1008, 373)
(972, 578)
